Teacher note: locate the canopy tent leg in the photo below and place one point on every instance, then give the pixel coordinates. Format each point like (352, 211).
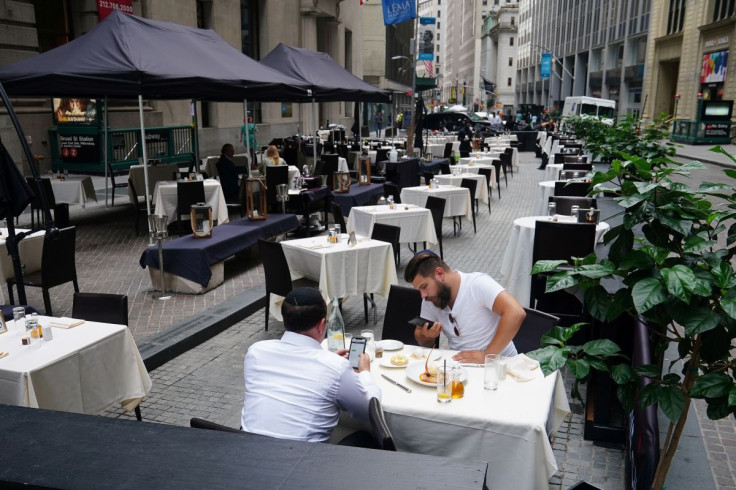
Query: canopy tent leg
(246, 135)
(104, 123)
(145, 167)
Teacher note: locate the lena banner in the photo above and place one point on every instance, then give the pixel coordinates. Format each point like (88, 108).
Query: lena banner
(427, 33)
(546, 65)
(396, 11)
(105, 7)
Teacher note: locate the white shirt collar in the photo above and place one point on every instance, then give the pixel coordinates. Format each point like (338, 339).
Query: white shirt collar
(301, 340)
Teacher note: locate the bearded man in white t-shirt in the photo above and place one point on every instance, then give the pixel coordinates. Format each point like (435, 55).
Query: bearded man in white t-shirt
(476, 314)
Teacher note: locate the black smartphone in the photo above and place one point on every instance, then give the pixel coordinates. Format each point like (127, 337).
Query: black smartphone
(419, 322)
(357, 347)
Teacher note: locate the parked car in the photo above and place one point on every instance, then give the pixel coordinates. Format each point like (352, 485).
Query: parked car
(455, 121)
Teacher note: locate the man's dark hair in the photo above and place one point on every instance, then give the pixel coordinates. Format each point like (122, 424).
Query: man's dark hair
(225, 147)
(423, 264)
(302, 309)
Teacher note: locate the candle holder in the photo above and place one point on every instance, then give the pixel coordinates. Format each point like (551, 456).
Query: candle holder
(341, 182)
(200, 217)
(255, 199)
(364, 171)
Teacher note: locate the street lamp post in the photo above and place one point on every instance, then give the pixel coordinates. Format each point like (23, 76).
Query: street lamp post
(412, 126)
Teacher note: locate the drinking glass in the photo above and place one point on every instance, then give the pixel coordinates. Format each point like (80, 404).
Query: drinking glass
(370, 343)
(574, 211)
(444, 385)
(19, 318)
(490, 374)
(551, 209)
(32, 329)
(348, 337)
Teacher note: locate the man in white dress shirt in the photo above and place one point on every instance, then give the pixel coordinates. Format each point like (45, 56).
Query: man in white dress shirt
(294, 389)
(476, 314)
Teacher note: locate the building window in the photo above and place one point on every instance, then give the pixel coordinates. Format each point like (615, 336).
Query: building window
(438, 59)
(249, 34)
(511, 62)
(438, 26)
(676, 16)
(438, 14)
(723, 9)
(513, 21)
(511, 41)
(485, 2)
(508, 82)
(53, 24)
(438, 38)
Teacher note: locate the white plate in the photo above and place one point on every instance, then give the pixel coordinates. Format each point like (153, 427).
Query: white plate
(386, 362)
(389, 344)
(414, 369)
(422, 353)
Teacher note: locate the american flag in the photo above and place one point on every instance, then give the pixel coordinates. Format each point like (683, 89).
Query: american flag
(429, 67)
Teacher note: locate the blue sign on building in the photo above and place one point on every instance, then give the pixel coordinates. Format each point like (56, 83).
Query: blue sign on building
(546, 65)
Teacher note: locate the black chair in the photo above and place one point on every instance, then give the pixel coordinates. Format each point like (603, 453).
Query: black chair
(276, 272)
(559, 158)
(187, 193)
(447, 153)
(57, 266)
(403, 304)
(113, 184)
(100, 307)
(445, 169)
(471, 185)
(384, 233)
(239, 203)
(506, 164)
(379, 427)
(139, 207)
(536, 324)
(575, 159)
(197, 423)
(275, 175)
(488, 174)
(510, 152)
(36, 207)
(572, 174)
(579, 189)
(391, 189)
(427, 177)
(337, 216)
(559, 241)
(588, 167)
(436, 206)
(61, 210)
(564, 204)
(497, 167)
(329, 167)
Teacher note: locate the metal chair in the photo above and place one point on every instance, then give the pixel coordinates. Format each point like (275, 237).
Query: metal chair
(391, 189)
(506, 164)
(534, 326)
(588, 167)
(275, 175)
(379, 427)
(114, 185)
(447, 153)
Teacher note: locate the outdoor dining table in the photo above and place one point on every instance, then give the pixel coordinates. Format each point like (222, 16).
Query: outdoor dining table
(552, 171)
(30, 249)
(156, 173)
(474, 168)
(165, 200)
(484, 160)
(342, 270)
(541, 198)
(357, 195)
(457, 199)
(74, 189)
(508, 427)
(481, 189)
(415, 222)
(85, 369)
(517, 260)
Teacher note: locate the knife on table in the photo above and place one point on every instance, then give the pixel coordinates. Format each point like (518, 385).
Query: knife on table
(408, 390)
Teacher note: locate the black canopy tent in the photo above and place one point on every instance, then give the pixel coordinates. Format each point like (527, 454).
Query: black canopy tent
(326, 79)
(127, 56)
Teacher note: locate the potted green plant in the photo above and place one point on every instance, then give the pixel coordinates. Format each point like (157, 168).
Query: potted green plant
(672, 256)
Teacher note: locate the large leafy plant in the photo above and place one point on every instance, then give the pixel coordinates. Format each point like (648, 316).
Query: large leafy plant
(672, 256)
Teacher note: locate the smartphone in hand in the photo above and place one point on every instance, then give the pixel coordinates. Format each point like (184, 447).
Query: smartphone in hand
(357, 347)
(419, 322)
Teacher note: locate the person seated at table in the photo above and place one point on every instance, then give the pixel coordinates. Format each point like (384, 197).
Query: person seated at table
(465, 136)
(229, 172)
(476, 314)
(272, 158)
(295, 389)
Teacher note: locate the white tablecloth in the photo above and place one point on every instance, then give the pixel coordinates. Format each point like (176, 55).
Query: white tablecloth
(30, 249)
(517, 264)
(416, 222)
(457, 199)
(541, 199)
(481, 189)
(508, 427)
(485, 160)
(552, 171)
(164, 198)
(76, 189)
(156, 173)
(436, 149)
(85, 369)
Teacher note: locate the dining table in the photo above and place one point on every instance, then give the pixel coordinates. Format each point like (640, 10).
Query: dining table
(552, 171)
(74, 189)
(165, 200)
(457, 199)
(30, 250)
(481, 160)
(455, 180)
(516, 266)
(509, 427)
(341, 269)
(86, 368)
(541, 198)
(156, 173)
(415, 221)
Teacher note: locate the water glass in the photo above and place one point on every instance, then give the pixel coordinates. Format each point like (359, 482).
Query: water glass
(32, 331)
(348, 337)
(19, 319)
(490, 374)
(574, 211)
(370, 343)
(551, 209)
(444, 385)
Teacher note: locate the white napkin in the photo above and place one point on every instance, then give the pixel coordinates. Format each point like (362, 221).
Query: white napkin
(522, 368)
(65, 322)
(565, 218)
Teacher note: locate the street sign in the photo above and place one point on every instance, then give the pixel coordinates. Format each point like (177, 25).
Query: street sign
(546, 65)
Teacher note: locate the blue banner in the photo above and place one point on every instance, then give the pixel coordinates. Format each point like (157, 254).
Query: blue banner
(395, 11)
(425, 43)
(546, 65)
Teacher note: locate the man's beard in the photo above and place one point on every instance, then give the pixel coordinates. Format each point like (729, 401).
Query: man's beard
(442, 300)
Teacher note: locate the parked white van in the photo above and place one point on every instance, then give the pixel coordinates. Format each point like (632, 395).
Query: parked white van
(603, 109)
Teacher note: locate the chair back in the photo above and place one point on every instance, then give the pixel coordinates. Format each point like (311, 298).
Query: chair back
(407, 173)
(559, 241)
(379, 427)
(329, 167)
(136, 202)
(275, 175)
(197, 423)
(99, 307)
(572, 174)
(391, 189)
(488, 174)
(559, 158)
(48, 190)
(291, 155)
(427, 177)
(390, 234)
(571, 189)
(436, 206)
(188, 193)
(588, 167)
(536, 324)
(576, 159)
(58, 258)
(275, 267)
(447, 153)
(497, 166)
(445, 169)
(381, 154)
(338, 217)
(564, 204)
(404, 303)
(471, 185)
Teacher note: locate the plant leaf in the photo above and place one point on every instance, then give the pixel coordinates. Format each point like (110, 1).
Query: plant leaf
(597, 302)
(648, 371)
(732, 396)
(601, 347)
(699, 319)
(622, 373)
(560, 281)
(724, 275)
(679, 280)
(712, 385)
(647, 294)
(694, 244)
(547, 265)
(579, 368)
(550, 359)
(595, 271)
(729, 306)
(671, 400)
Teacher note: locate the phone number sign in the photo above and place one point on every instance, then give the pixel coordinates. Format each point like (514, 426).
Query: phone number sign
(105, 7)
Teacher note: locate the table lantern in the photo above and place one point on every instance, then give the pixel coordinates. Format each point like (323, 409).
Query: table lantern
(364, 171)
(255, 199)
(201, 218)
(341, 182)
